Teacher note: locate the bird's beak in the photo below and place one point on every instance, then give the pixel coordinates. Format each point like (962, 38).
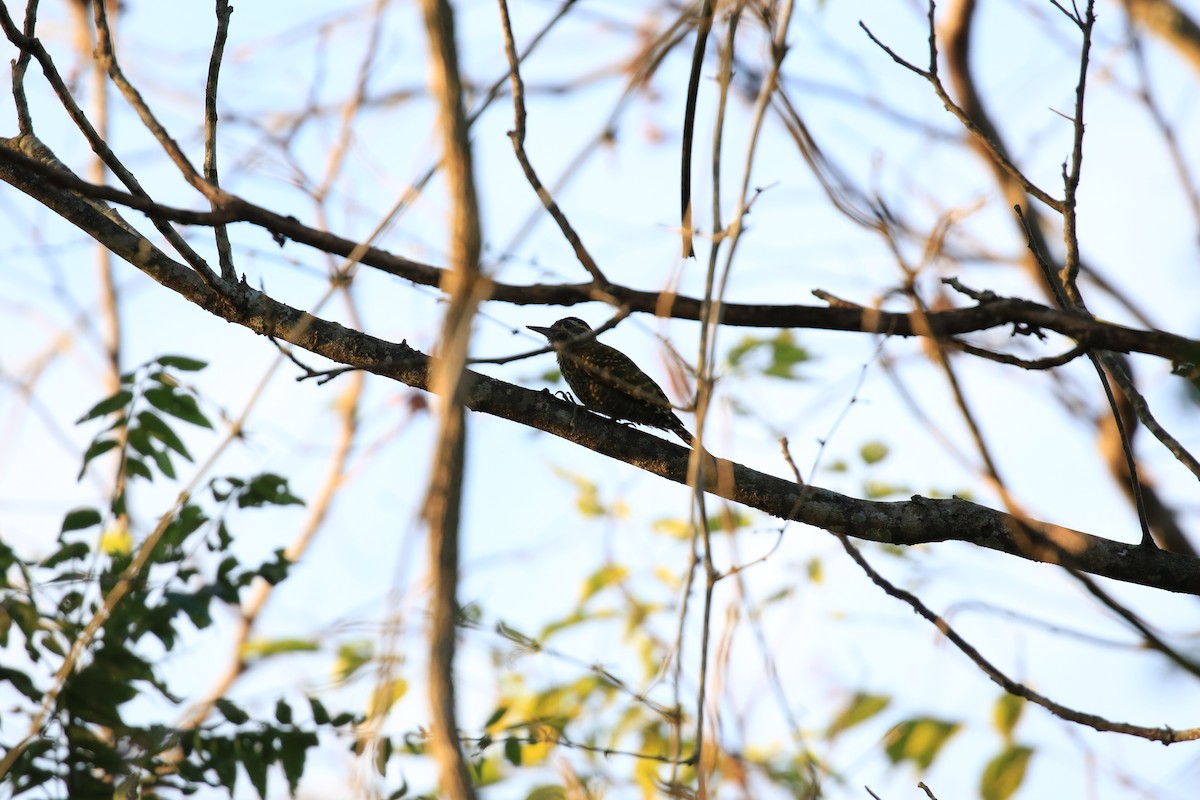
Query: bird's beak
(539, 329)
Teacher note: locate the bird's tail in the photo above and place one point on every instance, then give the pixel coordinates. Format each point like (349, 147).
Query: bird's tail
(682, 432)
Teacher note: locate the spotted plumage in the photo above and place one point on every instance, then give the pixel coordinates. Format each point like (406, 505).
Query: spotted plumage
(606, 380)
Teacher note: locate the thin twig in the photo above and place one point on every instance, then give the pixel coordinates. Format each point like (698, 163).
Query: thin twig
(1049, 362)
(703, 26)
(993, 148)
(1120, 374)
(1164, 735)
(1100, 359)
(517, 135)
(108, 59)
(220, 232)
(24, 120)
(1070, 268)
(31, 45)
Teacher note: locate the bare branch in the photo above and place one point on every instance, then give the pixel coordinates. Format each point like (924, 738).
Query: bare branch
(23, 171)
(1050, 362)
(919, 521)
(1164, 735)
(704, 22)
(224, 250)
(448, 378)
(517, 135)
(981, 134)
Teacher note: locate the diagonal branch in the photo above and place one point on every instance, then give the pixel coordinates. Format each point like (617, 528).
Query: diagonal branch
(23, 171)
(917, 521)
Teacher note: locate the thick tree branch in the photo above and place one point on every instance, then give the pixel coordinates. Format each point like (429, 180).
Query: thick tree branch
(450, 380)
(917, 521)
(23, 171)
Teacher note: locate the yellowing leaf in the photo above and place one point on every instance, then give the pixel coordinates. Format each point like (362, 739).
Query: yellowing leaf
(1006, 713)
(385, 696)
(674, 527)
(603, 578)
(919, 740)
(351, 657)
(261, 648)
(1004, 774)
(873, 452)
(860, 709)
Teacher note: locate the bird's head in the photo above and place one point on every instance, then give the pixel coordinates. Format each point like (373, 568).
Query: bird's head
(567, 329)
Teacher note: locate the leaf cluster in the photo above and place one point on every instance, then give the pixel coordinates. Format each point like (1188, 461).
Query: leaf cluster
(78, 690)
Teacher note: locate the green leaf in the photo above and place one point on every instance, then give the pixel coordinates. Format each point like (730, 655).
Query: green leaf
(137, 468)
(163, 460)
(140, 441)
(786, 355)
(225, 762)
(783, 354)
(1004, 774)
(118, 504)
(919, 740)
(182, 363)
(267, 489)
(108, 405)
(97, 448)
(512, 751)
(547, 793)
(283, 712)
(254, 761)
(154, 426)
(495, 717)
(1006, 713)
(196, 606)
(177, 403)
(383, 752)
(21, 682)
(860, 709)
(79, 518)
(231, 712)
(320, 715)
(292, 751)
(69, 552)
(275, 571)
(94, 693)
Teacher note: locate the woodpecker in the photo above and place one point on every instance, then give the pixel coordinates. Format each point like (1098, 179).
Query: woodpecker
(606, 380)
